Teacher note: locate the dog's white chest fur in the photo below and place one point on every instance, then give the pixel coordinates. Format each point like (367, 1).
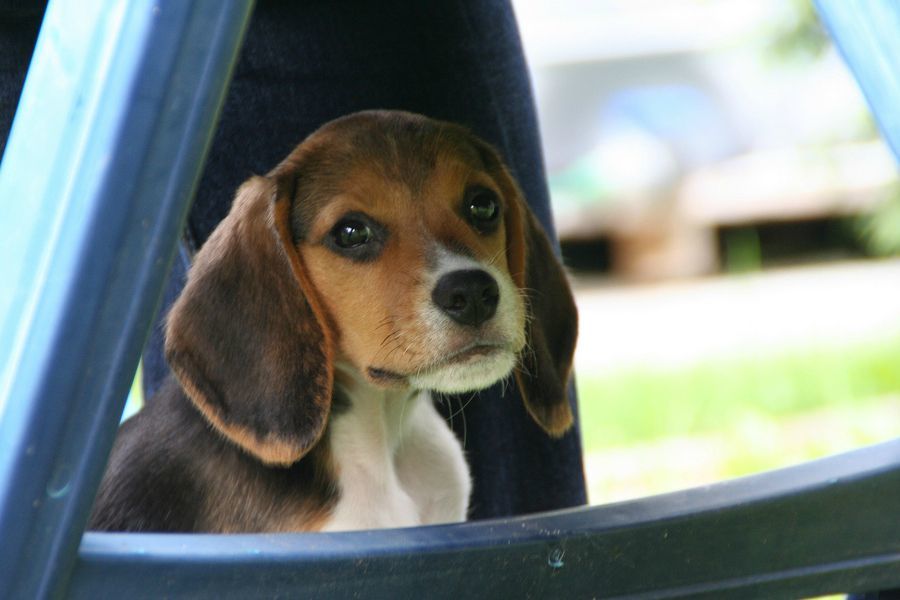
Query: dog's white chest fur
(397, 463)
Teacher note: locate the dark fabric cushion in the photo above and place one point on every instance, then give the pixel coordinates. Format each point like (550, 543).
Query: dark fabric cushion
(19, 26)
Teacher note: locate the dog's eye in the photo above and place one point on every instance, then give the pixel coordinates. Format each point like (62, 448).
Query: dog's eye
(357, 236)
(482, 209)
(350, 234)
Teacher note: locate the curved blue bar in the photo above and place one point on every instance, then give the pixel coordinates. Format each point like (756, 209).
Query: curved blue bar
(825, 526)
(867, 32)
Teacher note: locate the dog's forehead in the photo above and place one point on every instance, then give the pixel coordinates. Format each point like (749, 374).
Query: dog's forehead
(397, 146)
(367, 153)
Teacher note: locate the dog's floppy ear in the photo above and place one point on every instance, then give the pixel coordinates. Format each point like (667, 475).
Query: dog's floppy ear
(247, 338)
(552, 319)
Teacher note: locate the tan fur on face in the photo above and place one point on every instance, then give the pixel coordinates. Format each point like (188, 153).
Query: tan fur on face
(377, 306)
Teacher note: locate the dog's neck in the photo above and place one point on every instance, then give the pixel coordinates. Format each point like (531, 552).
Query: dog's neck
(397, 463)
(381, 408)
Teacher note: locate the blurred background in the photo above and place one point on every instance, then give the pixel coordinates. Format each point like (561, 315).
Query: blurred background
(731, 221)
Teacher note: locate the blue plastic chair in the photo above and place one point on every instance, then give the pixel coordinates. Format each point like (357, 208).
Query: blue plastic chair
(118, 109)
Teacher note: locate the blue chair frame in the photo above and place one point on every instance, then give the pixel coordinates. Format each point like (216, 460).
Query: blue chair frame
(112, 128)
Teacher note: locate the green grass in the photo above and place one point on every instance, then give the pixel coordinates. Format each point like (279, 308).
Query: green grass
(644, 405)
(135, 394)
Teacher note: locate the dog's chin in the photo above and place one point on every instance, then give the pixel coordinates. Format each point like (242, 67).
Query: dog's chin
(473, 372)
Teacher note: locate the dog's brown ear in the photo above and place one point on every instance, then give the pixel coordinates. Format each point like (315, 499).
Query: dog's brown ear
(247, 338)
(552, 319)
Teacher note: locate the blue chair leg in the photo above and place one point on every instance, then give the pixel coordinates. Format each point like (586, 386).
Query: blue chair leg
(112, 126)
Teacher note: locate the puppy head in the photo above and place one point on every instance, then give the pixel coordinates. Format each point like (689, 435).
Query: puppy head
(387, 240)
(430, 265)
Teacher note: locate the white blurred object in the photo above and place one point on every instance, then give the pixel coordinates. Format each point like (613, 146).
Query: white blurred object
(678, 324)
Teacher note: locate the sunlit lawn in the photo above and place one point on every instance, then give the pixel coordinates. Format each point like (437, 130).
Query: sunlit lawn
(647, 431)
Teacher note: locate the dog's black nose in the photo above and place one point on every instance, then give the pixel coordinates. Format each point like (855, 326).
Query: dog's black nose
(469, 297)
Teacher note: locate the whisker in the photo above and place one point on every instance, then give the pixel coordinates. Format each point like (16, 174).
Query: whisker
(389, 337)
(449, 408)
(394, 349)
(385, 323)
(465, 425)
(494, 258)
(463, 406)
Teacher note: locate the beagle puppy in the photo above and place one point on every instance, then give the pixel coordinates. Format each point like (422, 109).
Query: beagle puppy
(389, 257)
